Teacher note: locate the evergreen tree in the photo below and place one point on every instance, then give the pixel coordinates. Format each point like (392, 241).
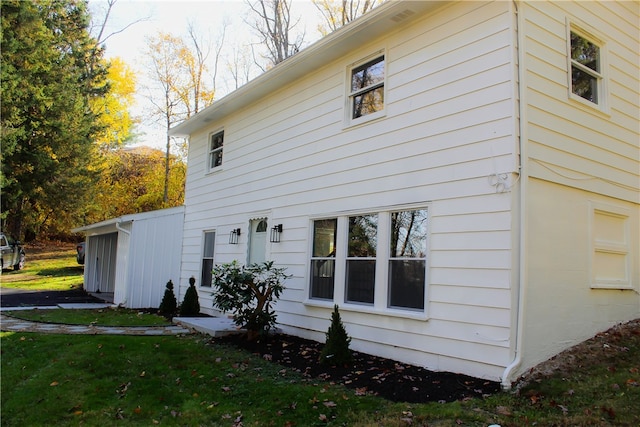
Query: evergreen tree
(336, 348)
(51, 70)
(169, 304)
(190, 306)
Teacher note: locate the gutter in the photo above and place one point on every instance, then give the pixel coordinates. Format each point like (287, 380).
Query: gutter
(508, 374)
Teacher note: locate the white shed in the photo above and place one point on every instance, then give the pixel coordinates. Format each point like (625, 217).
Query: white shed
(134, 256)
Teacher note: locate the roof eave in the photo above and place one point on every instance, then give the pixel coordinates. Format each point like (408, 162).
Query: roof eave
(383, 19)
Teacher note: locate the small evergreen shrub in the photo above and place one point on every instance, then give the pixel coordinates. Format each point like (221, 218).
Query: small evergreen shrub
(169, 304)
(336, 348)
(247, 293)
(191, 305)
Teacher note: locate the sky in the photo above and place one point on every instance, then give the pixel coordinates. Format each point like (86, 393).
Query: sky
(127, 37)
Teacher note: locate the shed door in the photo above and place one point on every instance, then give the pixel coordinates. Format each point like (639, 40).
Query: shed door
(101, 256)
(258, 241)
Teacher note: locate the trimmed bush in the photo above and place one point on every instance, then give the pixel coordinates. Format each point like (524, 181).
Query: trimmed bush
(191, 305)
(169, 304)
(336, 348)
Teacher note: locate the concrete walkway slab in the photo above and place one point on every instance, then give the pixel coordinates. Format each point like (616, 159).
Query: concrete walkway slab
(84, 306)
(214, 326)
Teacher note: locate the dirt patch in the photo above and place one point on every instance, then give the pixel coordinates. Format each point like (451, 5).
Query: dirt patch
(367, 374)
(603, 348)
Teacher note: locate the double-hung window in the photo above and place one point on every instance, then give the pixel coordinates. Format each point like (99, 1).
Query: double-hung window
(208, 247)
(407, 259)
(586, 67)
(323, 258)
(376, 259)
(367, 88)
(216, 141)
(361, 258)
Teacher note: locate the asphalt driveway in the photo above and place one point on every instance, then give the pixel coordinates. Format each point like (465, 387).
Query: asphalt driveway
(10, 297)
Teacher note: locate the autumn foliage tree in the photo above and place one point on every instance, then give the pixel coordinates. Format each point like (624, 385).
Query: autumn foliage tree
(338, 13)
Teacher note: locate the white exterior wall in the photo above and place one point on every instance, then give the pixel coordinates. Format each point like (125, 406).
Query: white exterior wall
(449, 127)
(154, 257)
(145, 256)
(579, 158)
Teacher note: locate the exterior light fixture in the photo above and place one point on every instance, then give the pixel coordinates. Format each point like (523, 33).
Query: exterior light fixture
(275, 233)
(233, 236)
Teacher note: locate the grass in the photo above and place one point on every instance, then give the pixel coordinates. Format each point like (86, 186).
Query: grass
(99, 317)
(188, 380)
(50, 268)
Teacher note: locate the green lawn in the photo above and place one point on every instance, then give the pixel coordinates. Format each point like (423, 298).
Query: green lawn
(188, 381)
(50, 268)
(98, 317)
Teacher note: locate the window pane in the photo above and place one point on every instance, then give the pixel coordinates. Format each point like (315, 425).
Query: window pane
(209, 244)
(324, 238)
(361, 277)
(584, 84)
(363, 234)
(408, 234)
(368, 74)
(207, 268)
(407, 283)
(216, 158)
(217, 141)
(322, 278)
(585, 52)
(368, 102)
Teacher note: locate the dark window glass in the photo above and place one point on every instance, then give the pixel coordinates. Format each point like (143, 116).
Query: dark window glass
(207, 258)
(215, 150)
(407, 261)
(585, 68)
(367, 88)
(323, 258)
(361, 258)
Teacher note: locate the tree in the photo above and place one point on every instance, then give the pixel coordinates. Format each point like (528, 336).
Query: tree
(116, 122)
(51, 71)
(338, 13)
(336, 348)
(132, 181)
(274, 27)
(179, 72)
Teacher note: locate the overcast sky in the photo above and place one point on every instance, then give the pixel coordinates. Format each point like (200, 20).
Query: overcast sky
(173, 16)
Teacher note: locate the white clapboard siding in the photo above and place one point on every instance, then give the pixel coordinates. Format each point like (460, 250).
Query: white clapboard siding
(448, 129)
(570, 143)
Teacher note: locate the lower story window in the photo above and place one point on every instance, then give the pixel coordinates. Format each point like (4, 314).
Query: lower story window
(407, 259)
(323, 258)
(207, 258)
(380, 259)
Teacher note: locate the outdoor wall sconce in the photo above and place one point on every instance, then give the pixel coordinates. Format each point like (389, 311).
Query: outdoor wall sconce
(233, 236)
(275, 233)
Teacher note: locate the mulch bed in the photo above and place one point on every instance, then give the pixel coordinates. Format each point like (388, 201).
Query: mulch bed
(395, 381)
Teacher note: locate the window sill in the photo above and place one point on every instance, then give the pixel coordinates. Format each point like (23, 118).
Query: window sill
(589, 106)
(214, 170)
(367, 309)
(352, 123)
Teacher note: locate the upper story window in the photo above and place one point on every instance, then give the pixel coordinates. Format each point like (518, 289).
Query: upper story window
(367, 88)
(216, 141)
(586, 67)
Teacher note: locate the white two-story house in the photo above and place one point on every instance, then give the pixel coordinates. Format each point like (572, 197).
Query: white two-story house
(462, 178)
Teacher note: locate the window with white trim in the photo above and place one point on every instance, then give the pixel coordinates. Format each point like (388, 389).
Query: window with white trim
(366, 91)
(379, 257)
(323, 258)
(216, 141)
(208, 249)
(586, 74)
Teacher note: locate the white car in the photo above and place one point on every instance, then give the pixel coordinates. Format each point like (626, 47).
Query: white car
(12, 253)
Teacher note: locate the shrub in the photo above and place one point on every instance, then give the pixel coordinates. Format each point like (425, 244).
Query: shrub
(336, 348)
(169, 304)
(247, 293)
(190, 306)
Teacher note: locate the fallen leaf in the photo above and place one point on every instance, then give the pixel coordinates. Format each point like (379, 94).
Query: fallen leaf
(226, 389)
(143, 373)
(503, 410)
(323, 418)
(329, 404)
(137, 409)
(53, 384)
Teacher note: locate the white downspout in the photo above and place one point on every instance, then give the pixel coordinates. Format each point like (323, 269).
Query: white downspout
(522, 231)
